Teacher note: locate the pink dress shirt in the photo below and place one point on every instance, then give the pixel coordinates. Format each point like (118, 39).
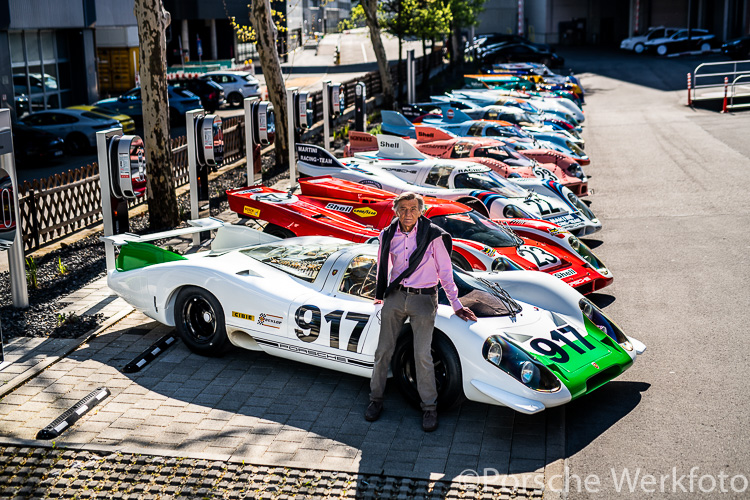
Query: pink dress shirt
(436, 264)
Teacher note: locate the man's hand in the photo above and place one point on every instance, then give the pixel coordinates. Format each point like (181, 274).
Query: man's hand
(466, 314)
(377, 302)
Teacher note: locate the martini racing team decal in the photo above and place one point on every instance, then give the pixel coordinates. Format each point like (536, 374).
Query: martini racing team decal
(251, 211)
(565, 220)
(402, 170)
(340, 208)
(248, 317)
(269, 320)
(365, 212)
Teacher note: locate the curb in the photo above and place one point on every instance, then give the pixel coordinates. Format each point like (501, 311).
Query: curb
(555, 472)
(32, 372)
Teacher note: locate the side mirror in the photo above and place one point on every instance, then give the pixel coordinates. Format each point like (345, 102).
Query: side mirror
(210, 140)
(127, 166)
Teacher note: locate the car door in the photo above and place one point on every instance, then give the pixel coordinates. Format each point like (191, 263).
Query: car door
(336, 325)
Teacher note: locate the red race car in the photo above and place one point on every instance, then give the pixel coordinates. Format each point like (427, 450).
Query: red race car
(343, 209)
(494, 153)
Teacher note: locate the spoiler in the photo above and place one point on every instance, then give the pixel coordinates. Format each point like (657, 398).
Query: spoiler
(398, 148)
(429, 134)
(360, 142)
(316, 156)
(395, 119)
(454, 115)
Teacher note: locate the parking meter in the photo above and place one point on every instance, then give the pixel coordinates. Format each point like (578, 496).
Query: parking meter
(260, 130)
(122, 176)
(299, 116)
(360, 107)
(209, 132)
(334, 103)
(205, 146)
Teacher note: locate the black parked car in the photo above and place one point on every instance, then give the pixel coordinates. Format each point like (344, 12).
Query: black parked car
(739, 48)
(210, 93)
(521, 52)
(31, 144)
(481, 42)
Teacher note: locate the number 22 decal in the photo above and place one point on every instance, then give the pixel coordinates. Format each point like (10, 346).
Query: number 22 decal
(555, 352)
(539, 203)
(334, 318)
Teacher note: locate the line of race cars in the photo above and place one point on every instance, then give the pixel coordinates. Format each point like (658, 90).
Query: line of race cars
(508, 192)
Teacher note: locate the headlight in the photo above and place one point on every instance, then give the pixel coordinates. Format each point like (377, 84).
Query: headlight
(586, 254)
(514, 361)
(576, 201)
(575, 169)
(605, 324)
(513, 212)
(503, 264)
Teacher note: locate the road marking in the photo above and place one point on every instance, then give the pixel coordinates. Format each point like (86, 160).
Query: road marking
(364, 53)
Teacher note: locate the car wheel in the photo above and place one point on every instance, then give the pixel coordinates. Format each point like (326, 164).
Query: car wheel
(278, 231)
(705, 47)
(199, 319)
(76, 144)
(639, 48)
(459, 261)
(235, 100)
(662, 50)
(448, 377)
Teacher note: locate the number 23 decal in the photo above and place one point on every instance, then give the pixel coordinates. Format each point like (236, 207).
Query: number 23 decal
(555, 352)
(334, 318)
(536, 255)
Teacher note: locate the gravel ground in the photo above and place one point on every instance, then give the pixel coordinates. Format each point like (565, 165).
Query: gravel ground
(84, 262)
(52, 473)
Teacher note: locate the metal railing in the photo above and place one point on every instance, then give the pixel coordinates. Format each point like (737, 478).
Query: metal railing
(734, 93)
(711, 83)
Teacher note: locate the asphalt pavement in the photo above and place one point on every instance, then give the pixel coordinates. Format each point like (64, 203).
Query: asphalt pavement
(670, 188)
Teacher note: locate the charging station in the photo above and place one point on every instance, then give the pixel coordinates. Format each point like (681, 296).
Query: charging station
(411, 78)
(122, 176)
(299, 116)
(260, 130)
(334, 103)
(360, 107)
(205, 145)
(11, 240)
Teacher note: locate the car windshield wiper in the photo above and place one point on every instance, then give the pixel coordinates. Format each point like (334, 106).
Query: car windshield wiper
(512, 234)
(504, 297)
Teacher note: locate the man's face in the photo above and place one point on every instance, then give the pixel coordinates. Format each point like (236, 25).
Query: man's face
(408, 212)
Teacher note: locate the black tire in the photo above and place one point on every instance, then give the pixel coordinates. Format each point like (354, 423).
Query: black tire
(448, 377)
(662, 50)
(76, 144)
(278, 231)
(460, 262)
(639, 48)
(235, 99)
(199, 319)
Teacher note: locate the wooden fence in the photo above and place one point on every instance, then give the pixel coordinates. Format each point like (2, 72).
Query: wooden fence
(62, 204)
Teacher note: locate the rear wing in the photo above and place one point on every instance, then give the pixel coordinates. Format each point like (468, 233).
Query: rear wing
(397, 148)
(359, 142)
(454, 115)
(196, 226)
(316, 156)
(429, 134)
(395, 119)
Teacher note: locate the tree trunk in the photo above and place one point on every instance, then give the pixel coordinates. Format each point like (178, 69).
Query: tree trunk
(458, 47)
(371, 17)
(162, 200)
(260, 16)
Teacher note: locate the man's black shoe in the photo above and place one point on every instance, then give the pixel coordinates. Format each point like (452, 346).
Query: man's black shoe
(373, 411)
(429, 421)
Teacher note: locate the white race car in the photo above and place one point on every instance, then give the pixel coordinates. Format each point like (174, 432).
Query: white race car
(398, 167)
(537, 343)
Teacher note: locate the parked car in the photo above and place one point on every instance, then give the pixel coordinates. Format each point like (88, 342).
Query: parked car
(77, 127)
(237, 85)
(31, 143)
(521, 52)
(482, 41)
(680, 42)
(637, 43)
(127, 123)
(211, 93)
(180, 102)
(739, 48)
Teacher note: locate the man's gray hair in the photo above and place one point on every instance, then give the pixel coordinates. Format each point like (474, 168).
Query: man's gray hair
(408, 195)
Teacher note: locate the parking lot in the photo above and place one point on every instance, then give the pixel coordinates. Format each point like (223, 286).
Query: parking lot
(668, 186)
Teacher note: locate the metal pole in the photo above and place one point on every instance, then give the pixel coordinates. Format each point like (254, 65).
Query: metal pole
(410, 76)
(726, 86)
(190, 118)
(291, 93)
(249, 145)
(105, 187)
(326, 115)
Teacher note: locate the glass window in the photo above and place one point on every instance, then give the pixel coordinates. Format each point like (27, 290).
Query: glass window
(439, 175)
(16, 48)
(488, 181)
(359, 277)
(62, 118)
(462, 149)
(476, 130)
(32, 47)
(48, 46)
(302, 261)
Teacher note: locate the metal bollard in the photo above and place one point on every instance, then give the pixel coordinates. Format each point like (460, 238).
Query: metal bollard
(726, 86)
(689, 78)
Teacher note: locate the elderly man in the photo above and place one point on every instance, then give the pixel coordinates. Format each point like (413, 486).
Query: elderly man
(414, 255)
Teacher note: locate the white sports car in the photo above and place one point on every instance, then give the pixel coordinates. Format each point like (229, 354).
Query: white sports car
(537, 343)
(398, 167)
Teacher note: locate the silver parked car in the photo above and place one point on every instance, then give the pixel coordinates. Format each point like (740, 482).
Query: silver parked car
(637, 43)
(76, 126)
(237, 85)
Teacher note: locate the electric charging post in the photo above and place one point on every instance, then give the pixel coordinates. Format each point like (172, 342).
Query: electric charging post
(198, 179)
(105, 182)
(360, 107)
(252, 150)
(411, 81)
(333, 106)
(292, 133)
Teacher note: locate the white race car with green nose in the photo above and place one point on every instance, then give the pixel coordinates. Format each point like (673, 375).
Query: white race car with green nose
(537, 342)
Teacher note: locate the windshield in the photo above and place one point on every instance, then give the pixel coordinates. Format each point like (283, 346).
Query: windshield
(301, 260)
(483, 297)
(488, 181)
(475, 227)
(505, 131)
(503, 154)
